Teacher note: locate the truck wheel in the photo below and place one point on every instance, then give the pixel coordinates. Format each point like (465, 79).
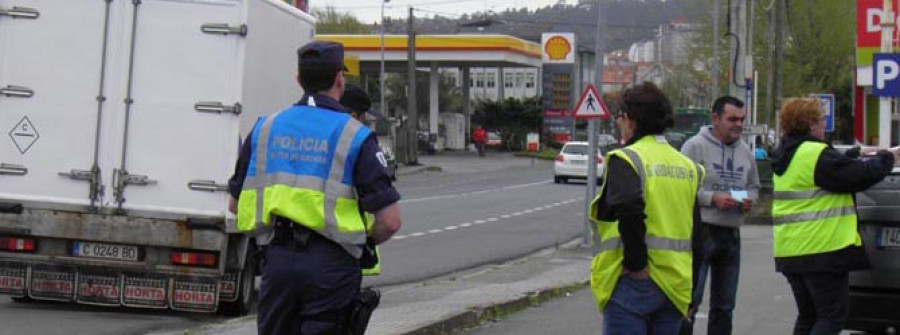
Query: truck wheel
(22, 300)
(246, 291)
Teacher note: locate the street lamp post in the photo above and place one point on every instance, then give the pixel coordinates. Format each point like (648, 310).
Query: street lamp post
(381, 73)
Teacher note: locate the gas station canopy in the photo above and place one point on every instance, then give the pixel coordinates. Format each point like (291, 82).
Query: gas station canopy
(445, 50)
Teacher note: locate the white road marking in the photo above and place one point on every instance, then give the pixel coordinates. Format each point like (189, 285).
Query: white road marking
(446, 196)
(479, 222)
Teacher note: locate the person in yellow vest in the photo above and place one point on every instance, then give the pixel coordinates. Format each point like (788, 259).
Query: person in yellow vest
(816, 242)
(302, 182)
(646, 219)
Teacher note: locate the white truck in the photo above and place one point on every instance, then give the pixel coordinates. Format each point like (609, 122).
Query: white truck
(121, 122)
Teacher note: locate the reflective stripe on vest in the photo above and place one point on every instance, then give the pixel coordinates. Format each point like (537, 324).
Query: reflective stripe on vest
(669, 181)
(807, 219)
(338, 199)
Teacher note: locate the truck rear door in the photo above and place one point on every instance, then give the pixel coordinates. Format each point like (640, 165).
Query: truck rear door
(184, 88)
(50, 70)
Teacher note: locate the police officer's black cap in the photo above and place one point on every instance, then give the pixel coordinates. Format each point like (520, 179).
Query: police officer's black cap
(356, 99)
(321, 54)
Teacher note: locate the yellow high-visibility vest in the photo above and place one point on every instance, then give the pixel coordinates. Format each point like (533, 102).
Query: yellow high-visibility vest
(806, 219)
(670, 182)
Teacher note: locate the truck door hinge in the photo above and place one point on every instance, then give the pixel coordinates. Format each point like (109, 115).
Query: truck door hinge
(218, 107)
(224, 29)
(17, 91)
(122, 178)
(206, 185)
(20, 13)
(92, 176)
(13, 169)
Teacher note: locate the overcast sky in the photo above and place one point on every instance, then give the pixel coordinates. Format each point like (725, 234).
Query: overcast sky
(369, 11)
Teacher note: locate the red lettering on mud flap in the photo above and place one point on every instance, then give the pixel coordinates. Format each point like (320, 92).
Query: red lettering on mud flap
(104, 291)
(194, 298)
(145, 293)
(12, 283)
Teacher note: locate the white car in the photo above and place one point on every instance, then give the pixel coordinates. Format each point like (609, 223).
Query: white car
(571, 163)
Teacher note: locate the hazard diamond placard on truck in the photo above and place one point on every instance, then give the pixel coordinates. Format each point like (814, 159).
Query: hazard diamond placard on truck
(195, 294)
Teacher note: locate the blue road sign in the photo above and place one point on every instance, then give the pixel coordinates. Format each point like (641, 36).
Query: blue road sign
(886, 75)
(826, 101)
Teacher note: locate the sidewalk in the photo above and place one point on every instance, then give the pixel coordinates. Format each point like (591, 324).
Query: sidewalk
(465, 299)
(462, 300)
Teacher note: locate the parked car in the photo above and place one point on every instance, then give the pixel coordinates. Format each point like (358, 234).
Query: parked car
(571, 163)
(493, 140)
(874, 291)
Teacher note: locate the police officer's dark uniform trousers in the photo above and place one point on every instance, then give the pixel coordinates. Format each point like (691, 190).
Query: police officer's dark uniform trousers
(321, 173)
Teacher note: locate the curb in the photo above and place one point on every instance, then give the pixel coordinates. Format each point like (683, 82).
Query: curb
(419, 169)
(479, 315)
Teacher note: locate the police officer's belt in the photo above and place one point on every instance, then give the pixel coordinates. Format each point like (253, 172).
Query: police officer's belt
(288, 232)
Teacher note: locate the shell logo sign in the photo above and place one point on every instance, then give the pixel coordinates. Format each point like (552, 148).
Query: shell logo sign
(558, 48)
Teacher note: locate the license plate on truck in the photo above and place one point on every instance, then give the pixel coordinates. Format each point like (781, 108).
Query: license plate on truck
(889, 237)
(104, 250)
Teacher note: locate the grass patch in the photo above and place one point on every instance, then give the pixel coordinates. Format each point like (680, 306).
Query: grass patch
(548, 154)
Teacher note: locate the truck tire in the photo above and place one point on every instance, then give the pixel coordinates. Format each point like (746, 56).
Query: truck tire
(246, 291)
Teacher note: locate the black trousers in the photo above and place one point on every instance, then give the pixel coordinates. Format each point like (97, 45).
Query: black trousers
(822, 301)
(309, 290)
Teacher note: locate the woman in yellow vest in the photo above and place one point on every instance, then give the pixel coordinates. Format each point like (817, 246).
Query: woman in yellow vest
(645, 217)
(814, 216)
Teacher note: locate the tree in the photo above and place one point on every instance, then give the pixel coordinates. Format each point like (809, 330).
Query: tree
(395, 95)
(818, 54)
(332, 22)
(512, 118)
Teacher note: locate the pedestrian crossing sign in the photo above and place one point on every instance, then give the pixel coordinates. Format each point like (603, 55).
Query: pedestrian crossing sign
(590, 106)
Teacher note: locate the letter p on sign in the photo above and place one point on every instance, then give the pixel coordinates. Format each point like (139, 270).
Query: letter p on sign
(886, 69)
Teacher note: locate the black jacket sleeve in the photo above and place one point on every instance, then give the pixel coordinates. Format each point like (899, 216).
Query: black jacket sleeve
(842, 174)
(625, 198)
(373, 183)
(236, 182)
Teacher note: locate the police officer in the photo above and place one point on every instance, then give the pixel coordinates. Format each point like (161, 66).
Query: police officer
(304, 177)
(646, 218)
(358, 103)
(816, 238)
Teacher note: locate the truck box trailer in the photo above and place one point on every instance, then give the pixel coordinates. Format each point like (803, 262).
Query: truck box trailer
(121, 124)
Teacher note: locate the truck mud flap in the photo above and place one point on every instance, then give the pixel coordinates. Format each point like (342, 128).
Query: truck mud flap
(228, 287)
(99, 288)
(13, 277)
(195, 294)
(145, 291)
(52, 282)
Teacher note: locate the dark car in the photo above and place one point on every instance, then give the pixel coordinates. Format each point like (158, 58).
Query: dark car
(875, 293)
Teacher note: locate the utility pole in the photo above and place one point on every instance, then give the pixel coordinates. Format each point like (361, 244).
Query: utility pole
(412, 125)
(592, 130)
(738, 27)
(715, 58)
(884, 103)
(770, 72)
(779, 62)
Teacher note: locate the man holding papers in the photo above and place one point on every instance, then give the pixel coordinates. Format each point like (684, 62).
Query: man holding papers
(731, 185)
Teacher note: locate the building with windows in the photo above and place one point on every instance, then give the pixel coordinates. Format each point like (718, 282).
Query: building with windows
(487, 83)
